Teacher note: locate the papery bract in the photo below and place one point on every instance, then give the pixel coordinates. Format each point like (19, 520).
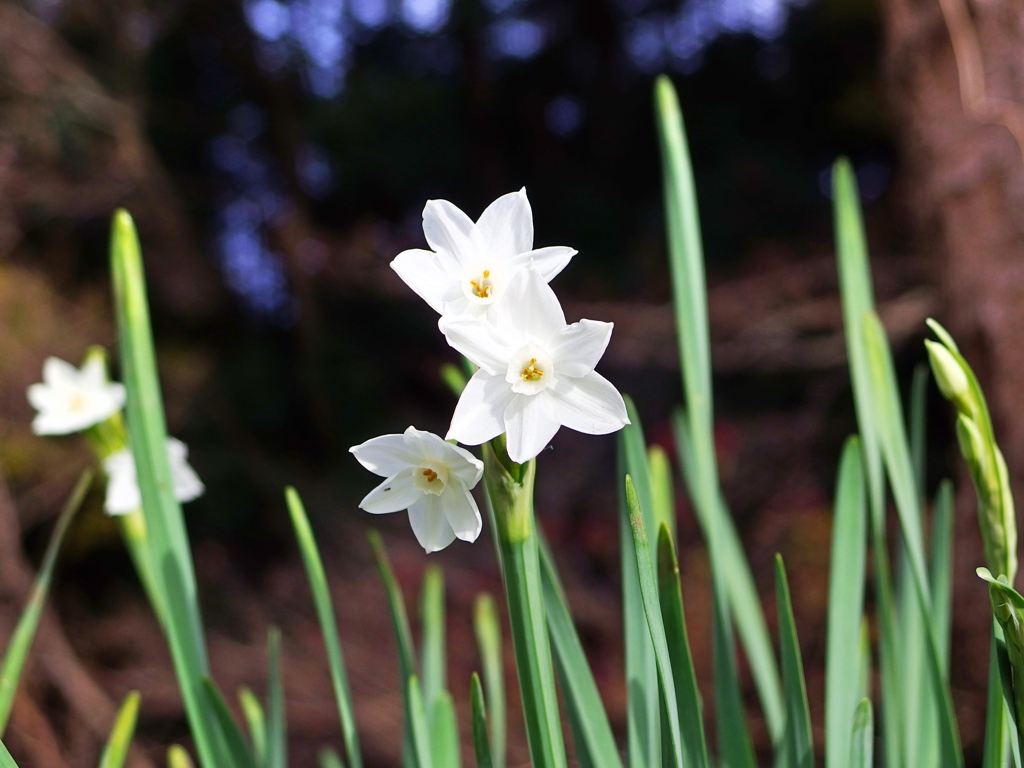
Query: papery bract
(72, 399)
(536, 373)
(429, 477)
(123, 496)
(472, 264)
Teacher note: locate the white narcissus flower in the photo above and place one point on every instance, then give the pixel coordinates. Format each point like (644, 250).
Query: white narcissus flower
(429, 477)
(123, 496)
(471, 264)
(71, 399)
(536, 373)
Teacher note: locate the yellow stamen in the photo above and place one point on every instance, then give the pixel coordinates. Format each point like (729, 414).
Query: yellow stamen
(487, 273)
(430, 474)
(484, 292)
(532, 372)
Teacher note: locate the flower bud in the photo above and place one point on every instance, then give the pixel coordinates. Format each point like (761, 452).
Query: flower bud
(949, 375)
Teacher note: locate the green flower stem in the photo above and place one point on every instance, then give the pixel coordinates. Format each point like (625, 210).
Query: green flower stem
(510, 495)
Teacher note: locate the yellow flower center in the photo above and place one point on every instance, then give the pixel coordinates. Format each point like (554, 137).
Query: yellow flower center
(430, 474)
(482, 287)
(77, 402)
(531, 372)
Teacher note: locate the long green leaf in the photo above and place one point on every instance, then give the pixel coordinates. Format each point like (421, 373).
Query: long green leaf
(256, 722)
(845, 605)
(896, 455)
(403, 636)
(643, 710)
(433, 652)
(6, 761)
(328, 758)
(689, 292)
(25, 630)
(239, 755)
(418, 725)
(177, 757)
(670, 593)
(592, 733)
(328, 625)
(444, 733)
(173, 572)
(656, 627)
(116, 750)
(798, 716)
(863, 737)
(488, 638)
(481, 745)
(857, 299)
(277, 741)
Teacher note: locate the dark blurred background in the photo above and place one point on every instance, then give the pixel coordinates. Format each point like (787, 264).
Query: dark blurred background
(277, 155)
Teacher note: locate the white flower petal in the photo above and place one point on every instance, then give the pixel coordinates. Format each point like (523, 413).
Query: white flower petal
(529, 308)
(547, 261)
(479, 414)
(478, 340)
(577, 348)
(386, 455)
(93, 373)
(530, 423)
(506, 225)
(393, 495)
(422, 271)
(451, 233)
(461, 510)
(58, 373)
(460, 462)
(122, 495)
(589, 404)
(429, 523)
(184, 480)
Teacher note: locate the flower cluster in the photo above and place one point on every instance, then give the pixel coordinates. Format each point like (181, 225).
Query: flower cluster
(72, 400)
(535, 372)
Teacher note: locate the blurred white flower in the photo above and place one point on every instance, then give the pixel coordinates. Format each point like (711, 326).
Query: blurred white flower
(471, 264)
(123, 496)
(429, 477)
(536, 373)
(72, 399)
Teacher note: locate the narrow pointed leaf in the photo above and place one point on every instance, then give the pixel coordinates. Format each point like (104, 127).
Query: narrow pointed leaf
(488, 638)
(592, 733)
(328, 758)
(433, 653)
(6, 761)
(691, 719)
(656, 627)
(21, 639)
(239, 755)
(481, 744)
(444, 733)
(863, 737)
(798, 715)
(419, 729)
(256, 722)
(277, 742)
(177, 757)
(328, 625)
(116, 750)
(845, 605)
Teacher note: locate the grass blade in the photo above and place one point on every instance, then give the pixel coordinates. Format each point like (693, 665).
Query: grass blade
(798, 715)
(862, 741)
(481, 745)
(328, 758)
(643, 708)
(419, 729)
(691, 720)
(116, 750)
(25, 630)
(256, 722)
(433, 652)
(177, 757)
(277, 742)
(237, 750)
(858, 299)
(173, 572)
(403, 637)
(328, 625)
(940, 572)
(656, 627)
(592, 733)
(6, 761)
(488, 638)
(845, 605)
(444, 733)
(662, 496)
